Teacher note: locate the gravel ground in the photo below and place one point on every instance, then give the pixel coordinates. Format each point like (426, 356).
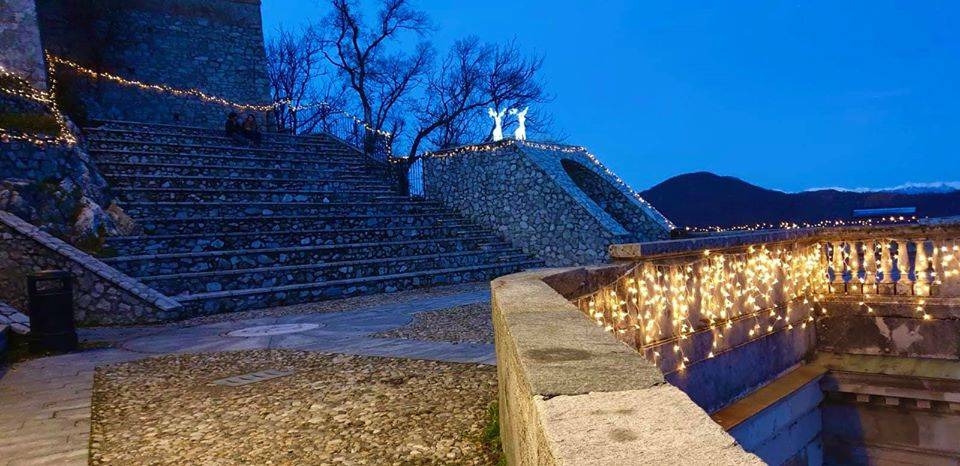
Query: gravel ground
(471, 323)
(345, 304)
(334, 409)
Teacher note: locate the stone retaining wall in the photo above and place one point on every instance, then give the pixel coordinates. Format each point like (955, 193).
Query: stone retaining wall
(555, 202)
(215, 46)
(572, 394)
(102, 295)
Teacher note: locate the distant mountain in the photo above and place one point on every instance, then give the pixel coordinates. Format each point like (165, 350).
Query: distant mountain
(704, 199)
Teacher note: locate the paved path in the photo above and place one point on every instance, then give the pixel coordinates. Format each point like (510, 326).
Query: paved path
(45, 403)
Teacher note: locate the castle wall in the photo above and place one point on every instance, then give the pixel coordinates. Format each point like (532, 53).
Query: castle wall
(215, 46)
(20, 48)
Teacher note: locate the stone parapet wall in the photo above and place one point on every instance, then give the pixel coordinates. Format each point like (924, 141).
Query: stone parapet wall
(523, 190)
(215, 46)
(102, 295)
(572, 394)
(20, 48)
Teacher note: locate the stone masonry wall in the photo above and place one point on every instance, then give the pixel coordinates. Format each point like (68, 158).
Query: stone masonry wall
(213, 45)
(102, 295)
(525, 193)
(20, 48)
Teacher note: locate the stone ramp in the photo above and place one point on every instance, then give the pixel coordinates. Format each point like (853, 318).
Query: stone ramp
(295, 219)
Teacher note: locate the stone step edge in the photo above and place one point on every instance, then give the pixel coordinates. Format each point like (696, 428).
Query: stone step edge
(139, 176)
(100, 124)
(300, 286)
(350, 162)
(386, 201)
(285, 232)
(108, 121)
(282, 249)
(131, 142)
(385, 194)
(102, 163)
(259, 218)
(321, 136)
(214, 134)
(507, 253)
(91, 264)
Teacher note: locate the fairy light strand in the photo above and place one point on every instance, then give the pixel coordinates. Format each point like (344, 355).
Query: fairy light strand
(209, 98)
(659, 307)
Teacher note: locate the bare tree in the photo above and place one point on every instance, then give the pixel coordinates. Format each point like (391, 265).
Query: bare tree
(472, 77)
(295, 68)
(361, 53)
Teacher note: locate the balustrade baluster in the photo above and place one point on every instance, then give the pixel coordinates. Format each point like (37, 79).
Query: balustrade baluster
(869, 266)
(886, 285)
(904, 283)
(854, 284)
(921, 270)
(838, 266)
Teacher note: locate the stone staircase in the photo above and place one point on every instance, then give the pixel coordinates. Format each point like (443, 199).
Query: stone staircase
(297, 219)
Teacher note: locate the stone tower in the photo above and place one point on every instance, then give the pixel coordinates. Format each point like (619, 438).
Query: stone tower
(215, 46)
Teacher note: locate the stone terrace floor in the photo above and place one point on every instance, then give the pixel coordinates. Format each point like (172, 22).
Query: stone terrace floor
(47, 401)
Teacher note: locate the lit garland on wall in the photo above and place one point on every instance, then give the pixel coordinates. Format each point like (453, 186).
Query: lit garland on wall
(205, 97)
(25, 90)
(494, 146)
(658, 307)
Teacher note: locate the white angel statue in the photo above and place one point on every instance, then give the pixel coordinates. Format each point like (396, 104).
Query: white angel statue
(520, 134)
(497, 122)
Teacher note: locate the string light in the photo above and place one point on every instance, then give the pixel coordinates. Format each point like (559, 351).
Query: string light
(24, 89)
(494, 146)
(205, 97)
(767, 288)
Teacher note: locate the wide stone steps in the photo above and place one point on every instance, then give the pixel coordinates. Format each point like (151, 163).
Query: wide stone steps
(327, 194)
(238, 183)
(209, 149)
(190, 262)
(132, 171)
(227, 212)
(214, 139)
(328, 165)
(252, 298)
(232, 280)
(294, 219)
(168, 225)
(199, 242)
(193, 130)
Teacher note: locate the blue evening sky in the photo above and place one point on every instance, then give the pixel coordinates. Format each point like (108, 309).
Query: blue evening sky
(787, 95)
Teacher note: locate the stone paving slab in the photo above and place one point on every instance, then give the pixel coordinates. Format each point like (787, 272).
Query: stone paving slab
(50, 421)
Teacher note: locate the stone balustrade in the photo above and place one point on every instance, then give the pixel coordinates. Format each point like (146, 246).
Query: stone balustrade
(684, 301)
(750, 327)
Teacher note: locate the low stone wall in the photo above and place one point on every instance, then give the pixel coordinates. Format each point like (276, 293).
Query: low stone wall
(555, 202)
(570, 393)
(102, 295)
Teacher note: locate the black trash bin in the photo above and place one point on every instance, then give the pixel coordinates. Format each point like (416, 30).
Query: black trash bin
(50, 301)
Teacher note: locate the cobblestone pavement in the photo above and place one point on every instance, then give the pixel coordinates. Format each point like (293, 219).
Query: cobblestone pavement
(51, 396)
(327, 409)
(462, 324)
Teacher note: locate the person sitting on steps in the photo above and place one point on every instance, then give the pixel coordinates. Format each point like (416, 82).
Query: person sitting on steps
(250, 129)
(234, 129)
